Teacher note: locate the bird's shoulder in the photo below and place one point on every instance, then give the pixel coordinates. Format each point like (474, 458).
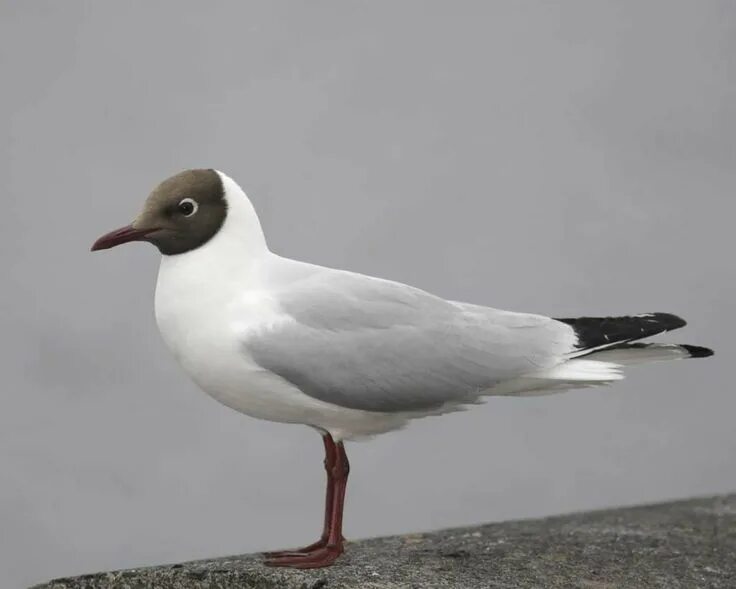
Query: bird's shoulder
(333, 299)
(323, 297)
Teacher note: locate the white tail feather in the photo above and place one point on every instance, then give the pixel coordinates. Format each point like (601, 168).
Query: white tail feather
(582, 370)
(599, 368)
(573, 374)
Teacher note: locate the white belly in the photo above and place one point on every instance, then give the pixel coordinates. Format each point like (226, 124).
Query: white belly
(205, 322)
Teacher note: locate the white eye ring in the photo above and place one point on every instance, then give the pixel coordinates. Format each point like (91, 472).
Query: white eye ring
(188, 207)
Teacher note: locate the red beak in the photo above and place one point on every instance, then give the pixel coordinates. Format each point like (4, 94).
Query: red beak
(119, 236)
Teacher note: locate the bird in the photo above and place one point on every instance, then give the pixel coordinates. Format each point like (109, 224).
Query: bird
(350, 355)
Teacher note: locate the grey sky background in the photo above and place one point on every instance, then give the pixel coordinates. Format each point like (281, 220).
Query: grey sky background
(567, 158)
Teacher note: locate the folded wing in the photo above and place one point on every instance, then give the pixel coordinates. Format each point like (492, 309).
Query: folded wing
(371, 344)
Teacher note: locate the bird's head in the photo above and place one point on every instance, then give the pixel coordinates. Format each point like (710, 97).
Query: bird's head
(181, 214)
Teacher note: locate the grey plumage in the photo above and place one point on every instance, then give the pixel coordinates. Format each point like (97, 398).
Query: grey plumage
(371, 344)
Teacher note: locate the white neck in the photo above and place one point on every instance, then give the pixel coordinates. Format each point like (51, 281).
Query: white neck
(241, 232)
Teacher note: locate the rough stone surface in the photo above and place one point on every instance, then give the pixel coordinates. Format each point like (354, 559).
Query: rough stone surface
(685, 544)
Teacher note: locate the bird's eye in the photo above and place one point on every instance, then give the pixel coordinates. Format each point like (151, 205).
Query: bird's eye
(187, 207)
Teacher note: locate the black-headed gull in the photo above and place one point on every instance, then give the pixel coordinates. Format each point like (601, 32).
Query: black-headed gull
(347, 354)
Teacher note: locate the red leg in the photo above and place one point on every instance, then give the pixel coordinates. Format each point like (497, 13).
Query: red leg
(325, 554)
(329, 462)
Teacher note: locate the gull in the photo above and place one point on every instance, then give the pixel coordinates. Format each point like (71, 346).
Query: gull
(347, 354)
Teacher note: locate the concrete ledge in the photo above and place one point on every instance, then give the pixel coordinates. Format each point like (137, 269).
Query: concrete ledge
(684, 544)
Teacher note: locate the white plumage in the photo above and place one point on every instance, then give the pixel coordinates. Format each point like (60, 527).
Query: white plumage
(353, 355)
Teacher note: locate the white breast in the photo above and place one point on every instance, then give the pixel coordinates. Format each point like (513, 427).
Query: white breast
(205, 316)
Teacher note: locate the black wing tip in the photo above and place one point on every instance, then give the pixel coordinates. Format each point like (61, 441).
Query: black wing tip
(697, 351)
(668, 321)
(595, 332)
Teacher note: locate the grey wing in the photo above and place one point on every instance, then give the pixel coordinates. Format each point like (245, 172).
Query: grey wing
(371, 344)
